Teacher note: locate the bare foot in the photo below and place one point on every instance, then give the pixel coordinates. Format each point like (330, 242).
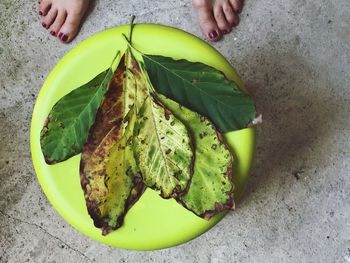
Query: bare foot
(217, 17)
(62, 17)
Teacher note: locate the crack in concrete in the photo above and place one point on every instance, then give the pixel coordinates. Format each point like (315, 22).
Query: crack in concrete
(46, 232)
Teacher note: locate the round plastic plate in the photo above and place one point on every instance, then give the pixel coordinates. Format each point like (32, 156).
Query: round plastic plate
(153, 222)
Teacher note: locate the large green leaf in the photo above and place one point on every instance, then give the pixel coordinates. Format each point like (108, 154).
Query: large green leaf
(203, 89)
(108, 171)
(67, 126)
(163, 149)
(211, 189)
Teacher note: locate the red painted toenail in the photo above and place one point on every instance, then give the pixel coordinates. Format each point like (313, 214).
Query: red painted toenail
(213, 34)
(40, 13)
(53, 33)
(43, 24)
(63, 37)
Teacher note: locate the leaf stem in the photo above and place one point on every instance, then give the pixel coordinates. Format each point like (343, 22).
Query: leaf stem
(141, 65)
(131, 27)
(130, 45)
(115, 58)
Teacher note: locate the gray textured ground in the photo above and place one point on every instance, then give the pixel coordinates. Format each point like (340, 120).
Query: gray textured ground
(294, 58)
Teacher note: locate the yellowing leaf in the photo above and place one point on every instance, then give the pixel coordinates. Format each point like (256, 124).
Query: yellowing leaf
(163, 149)
(136, 91)
(211, 189)
(108, 172)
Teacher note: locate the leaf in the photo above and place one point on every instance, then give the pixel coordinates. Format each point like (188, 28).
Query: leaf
(211, 189)
(203, 89)
(163, 149)
(120, 96)
(137, 91)
(67, 126)
(112, 185)
(108, 172)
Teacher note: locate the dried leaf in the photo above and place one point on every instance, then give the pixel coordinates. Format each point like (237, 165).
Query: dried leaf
(108, 172)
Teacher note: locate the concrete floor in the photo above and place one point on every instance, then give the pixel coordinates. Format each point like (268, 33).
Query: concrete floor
(294, 57)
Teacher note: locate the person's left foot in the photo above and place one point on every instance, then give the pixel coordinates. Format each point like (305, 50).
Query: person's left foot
(217, 17)
(62, 18)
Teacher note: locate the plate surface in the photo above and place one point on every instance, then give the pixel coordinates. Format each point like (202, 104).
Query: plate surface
(153, 222)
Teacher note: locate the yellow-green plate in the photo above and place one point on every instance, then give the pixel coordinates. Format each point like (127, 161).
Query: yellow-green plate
(153, 222)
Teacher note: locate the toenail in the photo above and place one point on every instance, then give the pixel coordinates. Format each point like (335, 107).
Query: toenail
(53, 33)
(40, 13)
(224, 32)
(213, 34)
(63, 37)
(43, 24)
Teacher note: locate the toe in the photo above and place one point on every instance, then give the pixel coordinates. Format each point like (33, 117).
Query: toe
(49, 18)
(221, 21)
(206, 20)
(208, 25)
(44, 7)
(56, 26)
(237, 5)
(230, 15)
(69, 28)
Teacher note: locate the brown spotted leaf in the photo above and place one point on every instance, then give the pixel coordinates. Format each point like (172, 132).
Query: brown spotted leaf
(108, 172)
(163, 149)
(136, 91)
(211, 189)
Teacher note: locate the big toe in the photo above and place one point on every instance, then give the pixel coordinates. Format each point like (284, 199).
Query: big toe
(208, 24)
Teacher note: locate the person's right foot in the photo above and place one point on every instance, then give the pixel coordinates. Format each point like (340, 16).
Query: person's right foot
(62, 18)
(217, 17)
